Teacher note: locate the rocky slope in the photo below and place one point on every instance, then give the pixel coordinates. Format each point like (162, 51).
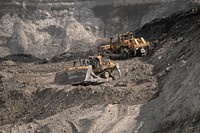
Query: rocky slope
(45, 29)
(176, 60)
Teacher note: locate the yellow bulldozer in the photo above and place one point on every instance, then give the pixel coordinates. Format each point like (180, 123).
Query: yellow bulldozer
(93, 70)
(124, 46)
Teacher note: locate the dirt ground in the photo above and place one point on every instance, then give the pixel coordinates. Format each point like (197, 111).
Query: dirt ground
(28, 92)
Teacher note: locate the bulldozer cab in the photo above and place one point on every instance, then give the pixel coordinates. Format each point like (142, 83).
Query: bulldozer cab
(98, 63)
(128, 36)
(94, 62)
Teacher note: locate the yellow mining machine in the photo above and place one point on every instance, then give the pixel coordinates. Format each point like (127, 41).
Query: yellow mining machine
(93, 70)
(124, 46)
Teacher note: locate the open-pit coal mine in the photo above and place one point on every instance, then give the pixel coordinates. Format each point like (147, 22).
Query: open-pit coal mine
(156, 93)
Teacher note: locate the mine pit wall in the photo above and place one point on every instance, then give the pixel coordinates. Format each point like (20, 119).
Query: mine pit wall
(93, 19)
(146, 9)
(118, 15)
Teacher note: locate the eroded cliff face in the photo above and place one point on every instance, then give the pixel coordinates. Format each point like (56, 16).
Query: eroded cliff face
(48, 28)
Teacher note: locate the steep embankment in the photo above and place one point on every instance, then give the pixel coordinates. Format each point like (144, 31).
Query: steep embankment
(177, 64)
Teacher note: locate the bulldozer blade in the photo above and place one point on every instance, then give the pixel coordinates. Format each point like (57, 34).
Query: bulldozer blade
(116, 73)
(78, 75)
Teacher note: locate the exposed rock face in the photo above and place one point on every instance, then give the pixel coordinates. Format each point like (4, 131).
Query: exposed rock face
(45, 34)
(48, 28)
(176, 60)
